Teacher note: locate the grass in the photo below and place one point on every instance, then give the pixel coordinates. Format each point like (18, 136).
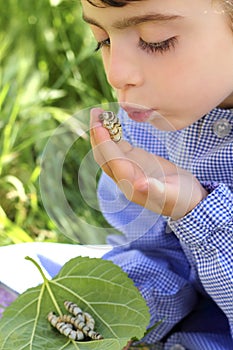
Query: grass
(48, 73)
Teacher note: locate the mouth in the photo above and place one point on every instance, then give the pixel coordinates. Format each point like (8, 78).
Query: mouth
(139, 114)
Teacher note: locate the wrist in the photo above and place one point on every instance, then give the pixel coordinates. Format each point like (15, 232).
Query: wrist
(199, 194)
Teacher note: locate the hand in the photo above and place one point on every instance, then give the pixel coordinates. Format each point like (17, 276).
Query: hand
(127, 346)
(146, 179)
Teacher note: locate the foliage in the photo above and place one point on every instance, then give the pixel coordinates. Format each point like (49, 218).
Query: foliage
(48, 72)
(99, 287)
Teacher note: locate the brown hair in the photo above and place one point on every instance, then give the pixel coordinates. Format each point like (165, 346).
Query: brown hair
(228, 6)
(114, 3)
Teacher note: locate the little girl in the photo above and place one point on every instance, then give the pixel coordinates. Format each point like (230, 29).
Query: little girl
(167, 185)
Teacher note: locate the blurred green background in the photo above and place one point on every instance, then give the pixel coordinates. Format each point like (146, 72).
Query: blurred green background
(48, 72)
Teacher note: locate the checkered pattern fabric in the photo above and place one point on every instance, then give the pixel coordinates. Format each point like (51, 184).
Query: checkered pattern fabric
(183, 268)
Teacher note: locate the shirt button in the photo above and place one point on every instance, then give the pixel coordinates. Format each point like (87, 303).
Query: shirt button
(177, 347)
(222, 127)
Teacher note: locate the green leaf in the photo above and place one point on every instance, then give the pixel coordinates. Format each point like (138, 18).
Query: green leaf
(98, 287)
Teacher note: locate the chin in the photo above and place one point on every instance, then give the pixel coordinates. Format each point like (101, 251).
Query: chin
(165, 123)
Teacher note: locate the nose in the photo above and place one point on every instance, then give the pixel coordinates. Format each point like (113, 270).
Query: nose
(123, 68)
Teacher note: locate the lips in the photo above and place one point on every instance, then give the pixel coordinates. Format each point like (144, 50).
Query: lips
(138, 114)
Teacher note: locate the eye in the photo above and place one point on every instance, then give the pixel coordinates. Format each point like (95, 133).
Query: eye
(102, 43)
(160, 47)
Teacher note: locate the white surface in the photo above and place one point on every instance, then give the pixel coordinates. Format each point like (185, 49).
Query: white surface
(20, 274)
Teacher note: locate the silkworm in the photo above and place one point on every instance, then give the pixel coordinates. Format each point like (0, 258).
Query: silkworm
(75, 310)
(78, 326)
(65, 328)
(111, 122)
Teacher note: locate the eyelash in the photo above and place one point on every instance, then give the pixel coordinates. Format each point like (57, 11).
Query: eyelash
(160, 47)
(101, 44)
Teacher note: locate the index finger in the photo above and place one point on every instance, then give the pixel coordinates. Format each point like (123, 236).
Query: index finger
(112, 153)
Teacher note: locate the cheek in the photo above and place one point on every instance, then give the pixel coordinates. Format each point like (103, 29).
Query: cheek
(207, 66)
(192, 74)
(104, 60)
(210, 75)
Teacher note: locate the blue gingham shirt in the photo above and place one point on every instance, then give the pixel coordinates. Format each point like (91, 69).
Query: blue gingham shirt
(183, 268)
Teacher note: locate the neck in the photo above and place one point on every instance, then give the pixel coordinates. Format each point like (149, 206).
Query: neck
(227, 103)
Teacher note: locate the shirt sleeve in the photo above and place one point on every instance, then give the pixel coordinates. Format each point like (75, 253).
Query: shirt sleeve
(152, 257)
(208, 232)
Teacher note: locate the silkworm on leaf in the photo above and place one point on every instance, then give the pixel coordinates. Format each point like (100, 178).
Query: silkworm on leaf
(82, 320)
(75, 310)
(64, 327)
(80, 316)
(75, 326)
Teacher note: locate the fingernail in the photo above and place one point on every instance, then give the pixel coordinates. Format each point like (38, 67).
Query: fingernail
(96, 111)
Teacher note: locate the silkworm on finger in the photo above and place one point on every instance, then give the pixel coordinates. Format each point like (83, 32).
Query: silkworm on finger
(111, 122)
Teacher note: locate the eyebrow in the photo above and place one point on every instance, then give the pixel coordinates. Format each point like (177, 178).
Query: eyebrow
(133, 21)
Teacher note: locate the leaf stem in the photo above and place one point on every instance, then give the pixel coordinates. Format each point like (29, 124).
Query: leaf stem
(38, 267)
(46, 283)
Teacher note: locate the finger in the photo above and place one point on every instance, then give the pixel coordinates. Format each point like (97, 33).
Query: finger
(102, 133)
(97, 132)
(95, 112)
(110, 155)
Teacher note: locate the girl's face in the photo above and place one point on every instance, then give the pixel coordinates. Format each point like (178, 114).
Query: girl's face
(170, 61)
